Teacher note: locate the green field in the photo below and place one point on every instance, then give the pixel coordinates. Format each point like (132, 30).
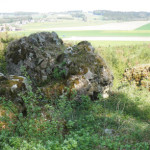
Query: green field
(63, 23)
(98, 33)
(144, 27)
(98, 44)
(39, 27)
(91, 33)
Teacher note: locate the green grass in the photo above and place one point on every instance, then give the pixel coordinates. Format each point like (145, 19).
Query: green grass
(122, 55)
(80, 126)
(144, 27)
(118, 43)
(111, 44)
(99, 33)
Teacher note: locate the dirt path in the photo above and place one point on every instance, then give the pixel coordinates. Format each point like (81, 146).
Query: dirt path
(108, 38)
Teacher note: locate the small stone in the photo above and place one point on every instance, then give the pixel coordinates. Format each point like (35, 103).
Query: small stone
(40, 61)
(44, 78)
(14, 87)
(108, 131)
(19, 51)
(89, 75)
(31, 55)
(44, 64)
(1, 74)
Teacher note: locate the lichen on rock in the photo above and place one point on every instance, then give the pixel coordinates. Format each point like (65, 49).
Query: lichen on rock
(36, 53)
(84, 71)
(11, 85)
(138, 75)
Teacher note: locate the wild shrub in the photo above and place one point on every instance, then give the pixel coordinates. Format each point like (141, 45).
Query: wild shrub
(4, 40)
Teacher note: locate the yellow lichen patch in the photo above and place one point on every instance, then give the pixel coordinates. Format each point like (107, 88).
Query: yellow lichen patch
(83, 70)
(88, 48)
(73, 82)
(77, 82)
(46, 91)
(51, 91)
(12, 83)
(61, 88)
(100, 61)
(11, 86)
(15, 80)
(85, 47)
(140, 75)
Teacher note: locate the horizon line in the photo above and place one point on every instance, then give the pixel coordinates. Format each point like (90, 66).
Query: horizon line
(71, 10)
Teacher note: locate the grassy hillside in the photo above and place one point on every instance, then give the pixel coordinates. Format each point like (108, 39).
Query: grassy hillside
(63, 124)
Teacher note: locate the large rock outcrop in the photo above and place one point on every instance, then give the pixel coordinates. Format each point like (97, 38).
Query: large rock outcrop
(138, 75)
(36, 54)
(53, 67)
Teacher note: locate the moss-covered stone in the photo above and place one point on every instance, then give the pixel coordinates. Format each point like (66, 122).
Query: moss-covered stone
(11, 85)
(86, 72)
(53, 67)
(138, 75)
(36, 53)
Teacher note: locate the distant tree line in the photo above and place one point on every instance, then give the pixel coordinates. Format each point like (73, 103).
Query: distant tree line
(8, 19)
(78, 14)
(16, 16)
(125, 16)
(25, 13)
(19, 13)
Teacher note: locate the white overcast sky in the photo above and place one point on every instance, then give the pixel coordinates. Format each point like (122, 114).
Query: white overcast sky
(65, 5)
